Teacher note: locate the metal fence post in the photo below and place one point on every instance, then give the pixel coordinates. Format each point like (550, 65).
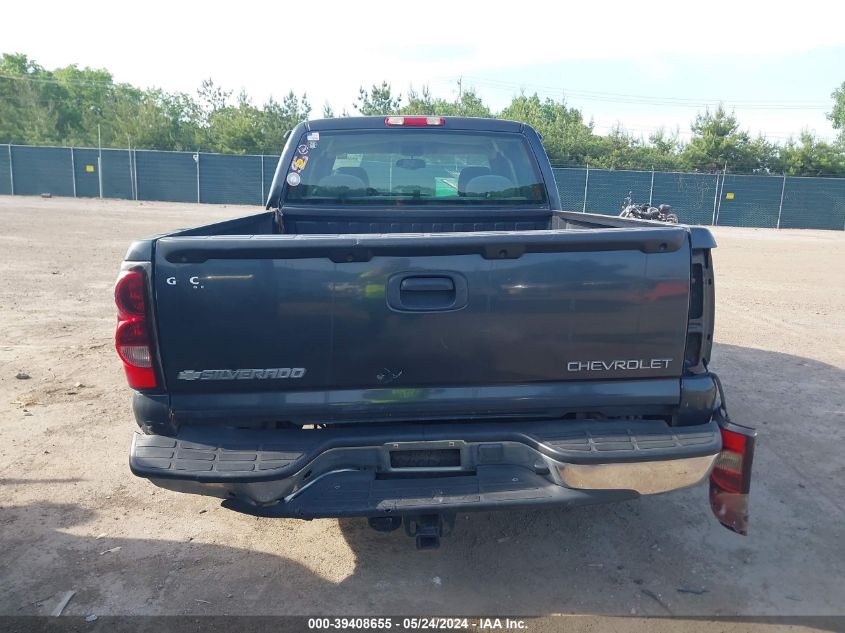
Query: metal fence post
(715, 198)
(261, 195)
(100, 160)
(197, 157)
(73, 171)
(651, 188)
(586, 184)
(131, 178)
(135, 170)
(780, 207)
(721, 189)
(11, 172)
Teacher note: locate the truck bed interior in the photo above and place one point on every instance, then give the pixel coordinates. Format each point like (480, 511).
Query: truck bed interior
(309, 221)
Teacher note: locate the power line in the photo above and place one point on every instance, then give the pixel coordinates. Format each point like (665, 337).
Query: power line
(667, 130)
(56, 80)
(596, 93)
(635, 99)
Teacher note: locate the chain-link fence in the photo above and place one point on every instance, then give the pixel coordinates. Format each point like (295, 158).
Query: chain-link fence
(135, 174)
(724, 199)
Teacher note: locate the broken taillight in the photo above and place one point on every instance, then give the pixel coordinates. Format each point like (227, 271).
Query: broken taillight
(132, 337)
(730, 479)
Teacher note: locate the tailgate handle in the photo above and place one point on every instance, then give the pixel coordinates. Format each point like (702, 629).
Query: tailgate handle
(427, 284)
(427, 291)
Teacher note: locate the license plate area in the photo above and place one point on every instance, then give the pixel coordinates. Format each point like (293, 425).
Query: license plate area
(425, 458)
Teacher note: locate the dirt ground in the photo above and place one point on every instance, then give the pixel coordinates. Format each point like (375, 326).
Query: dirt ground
(73, 518)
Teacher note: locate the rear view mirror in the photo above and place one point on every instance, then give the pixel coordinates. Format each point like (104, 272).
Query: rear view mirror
(410, 163)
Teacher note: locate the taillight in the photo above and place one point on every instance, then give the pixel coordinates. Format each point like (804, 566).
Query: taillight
(132, 338)
(129, 294)
(730, 464)
(414, 121)
(730, 479)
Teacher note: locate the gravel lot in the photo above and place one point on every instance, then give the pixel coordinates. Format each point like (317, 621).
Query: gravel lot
(73, 518)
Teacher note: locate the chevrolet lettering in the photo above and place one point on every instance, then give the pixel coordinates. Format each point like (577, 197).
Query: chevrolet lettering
(621, 365)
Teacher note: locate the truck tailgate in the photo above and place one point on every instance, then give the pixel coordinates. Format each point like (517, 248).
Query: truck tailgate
(292, 323)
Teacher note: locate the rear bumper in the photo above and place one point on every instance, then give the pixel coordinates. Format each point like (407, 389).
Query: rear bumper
(355, 470)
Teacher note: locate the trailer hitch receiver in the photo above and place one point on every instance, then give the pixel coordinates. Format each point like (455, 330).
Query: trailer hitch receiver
(428, 528)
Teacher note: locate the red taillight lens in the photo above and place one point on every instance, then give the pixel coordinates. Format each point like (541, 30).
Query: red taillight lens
(728, 472)
(129, 294)
(414, 121)
(132, 338)
(730, 479)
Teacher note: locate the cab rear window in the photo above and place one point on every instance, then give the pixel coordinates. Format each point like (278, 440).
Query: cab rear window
(414, 167)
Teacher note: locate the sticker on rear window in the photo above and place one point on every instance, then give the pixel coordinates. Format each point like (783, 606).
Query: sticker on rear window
(299, 163)
(313, 136)
(302, 149)
(293, 179)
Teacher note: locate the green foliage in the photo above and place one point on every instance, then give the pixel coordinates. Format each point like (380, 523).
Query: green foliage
(568, 139)
(837, 115)
(65, 106)
(717, 140)
(469, 104)
(378, 101)
(809, 156)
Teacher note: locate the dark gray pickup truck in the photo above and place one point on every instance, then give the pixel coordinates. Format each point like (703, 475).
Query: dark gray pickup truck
(414, 328)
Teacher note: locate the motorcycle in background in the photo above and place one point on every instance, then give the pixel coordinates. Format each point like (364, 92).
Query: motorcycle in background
(645, 211)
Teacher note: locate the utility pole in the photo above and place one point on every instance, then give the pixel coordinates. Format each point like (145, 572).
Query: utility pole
(460, 88)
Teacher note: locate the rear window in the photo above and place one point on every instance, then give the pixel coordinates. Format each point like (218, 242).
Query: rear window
(414, 167)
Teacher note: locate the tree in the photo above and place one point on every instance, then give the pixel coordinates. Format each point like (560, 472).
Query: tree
(567, 138)
(378, 100)
(469, 104)
(281, 117)
(27, 115)
(211, 98)
(809, 156)
(236, 129)
(153, 119)
(717, 140)
(837, 115)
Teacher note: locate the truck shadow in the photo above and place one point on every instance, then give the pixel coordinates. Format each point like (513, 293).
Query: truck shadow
(656, 556)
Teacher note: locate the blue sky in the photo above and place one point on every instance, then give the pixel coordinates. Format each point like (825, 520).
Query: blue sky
(790, 91)
(654, 62)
